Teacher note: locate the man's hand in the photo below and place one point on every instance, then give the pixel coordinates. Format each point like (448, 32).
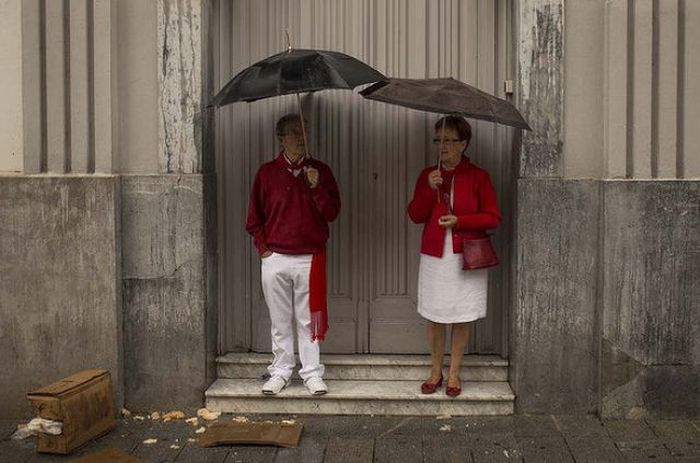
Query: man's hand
(266, 254)
(447, 221)
(311, 176)
(434, 179)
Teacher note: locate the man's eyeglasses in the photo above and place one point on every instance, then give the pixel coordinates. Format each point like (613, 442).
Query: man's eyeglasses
(446, 141)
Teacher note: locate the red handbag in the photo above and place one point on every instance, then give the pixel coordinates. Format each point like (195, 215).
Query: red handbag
(478, 253)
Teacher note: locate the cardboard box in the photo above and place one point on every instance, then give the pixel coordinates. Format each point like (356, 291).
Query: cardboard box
(82, 402)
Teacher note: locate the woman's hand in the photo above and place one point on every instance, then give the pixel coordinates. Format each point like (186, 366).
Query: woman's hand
(447, 221)
(434, 179)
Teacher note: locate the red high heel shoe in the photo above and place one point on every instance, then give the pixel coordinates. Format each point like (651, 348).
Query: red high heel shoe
(453, 391)
(429, 388)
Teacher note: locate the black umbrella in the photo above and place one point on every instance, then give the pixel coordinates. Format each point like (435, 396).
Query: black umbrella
(446, 96)
(296, 71)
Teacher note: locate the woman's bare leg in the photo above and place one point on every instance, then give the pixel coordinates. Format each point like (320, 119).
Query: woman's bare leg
(460, 337)
(436, 341)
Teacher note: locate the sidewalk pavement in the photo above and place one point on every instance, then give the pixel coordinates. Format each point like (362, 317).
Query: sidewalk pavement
(349, 439)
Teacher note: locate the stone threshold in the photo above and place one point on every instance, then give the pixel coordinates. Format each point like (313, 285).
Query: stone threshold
(369, 359)
(368, 367)
(360, 397)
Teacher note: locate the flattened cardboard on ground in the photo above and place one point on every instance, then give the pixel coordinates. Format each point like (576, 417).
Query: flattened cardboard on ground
(82, 402)
(279, 434)
(107, 456)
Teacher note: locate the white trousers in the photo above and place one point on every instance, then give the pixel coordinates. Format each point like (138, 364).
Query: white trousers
(285, 283)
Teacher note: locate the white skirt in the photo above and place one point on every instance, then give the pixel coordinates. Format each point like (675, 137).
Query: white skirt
(448, 294)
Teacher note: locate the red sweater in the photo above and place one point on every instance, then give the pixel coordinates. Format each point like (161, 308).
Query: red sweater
(475, 205)
(285, 215)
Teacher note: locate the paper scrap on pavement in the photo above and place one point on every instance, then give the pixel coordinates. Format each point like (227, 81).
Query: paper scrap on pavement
(155, 416)
(200, 430)
(174, 415)
(240, 419)
(193, 421)
(22, 432)
(150, 441)
(447, 427)
(208, 415)
(37, 425)
(125, 412)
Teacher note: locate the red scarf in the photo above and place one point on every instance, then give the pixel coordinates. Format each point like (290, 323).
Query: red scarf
(318, 304)
(445, 189)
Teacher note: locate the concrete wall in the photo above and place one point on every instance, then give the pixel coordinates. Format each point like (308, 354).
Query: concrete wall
(169, 231)
(606, 288)
(651, 299)
(605, 267)
(97, 95)
(169, 344)
(60, 283)
(11, 86)
(554, 331)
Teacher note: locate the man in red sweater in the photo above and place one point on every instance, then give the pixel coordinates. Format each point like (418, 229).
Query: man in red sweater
(294, 197)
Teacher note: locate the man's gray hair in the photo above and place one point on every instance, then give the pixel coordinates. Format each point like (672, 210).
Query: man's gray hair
(284, 121)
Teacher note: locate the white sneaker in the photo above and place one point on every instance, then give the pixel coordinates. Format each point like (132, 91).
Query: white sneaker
(316, 386)
(274, 385)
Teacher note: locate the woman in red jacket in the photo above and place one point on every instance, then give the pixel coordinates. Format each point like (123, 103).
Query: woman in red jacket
(454, 201)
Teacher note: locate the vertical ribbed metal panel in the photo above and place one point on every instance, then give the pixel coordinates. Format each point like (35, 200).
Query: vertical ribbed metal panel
(689, 90)
(643, 104)
(651, 89)
(105, 101)
(80, 85)
(375, 150)
(33, 87)
(57, 84)
(69, 85)
(615, 93)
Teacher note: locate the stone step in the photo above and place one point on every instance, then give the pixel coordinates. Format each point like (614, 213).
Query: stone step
(353, 397)
(369, 367)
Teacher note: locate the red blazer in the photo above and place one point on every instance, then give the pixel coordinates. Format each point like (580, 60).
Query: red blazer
(475, 205)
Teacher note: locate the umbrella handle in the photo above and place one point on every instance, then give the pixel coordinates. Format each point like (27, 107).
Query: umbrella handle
(303, 127)
(439, 162)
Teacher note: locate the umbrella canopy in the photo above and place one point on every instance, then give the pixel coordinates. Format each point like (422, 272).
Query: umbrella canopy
(296, 71)
(446, 96)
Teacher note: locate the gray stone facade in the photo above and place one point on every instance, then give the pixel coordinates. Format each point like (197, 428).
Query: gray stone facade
(119, 271)
(170, 316)
(650, 362)
(113, 272)
(554, 351)
(60, 268)
(607, 311)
